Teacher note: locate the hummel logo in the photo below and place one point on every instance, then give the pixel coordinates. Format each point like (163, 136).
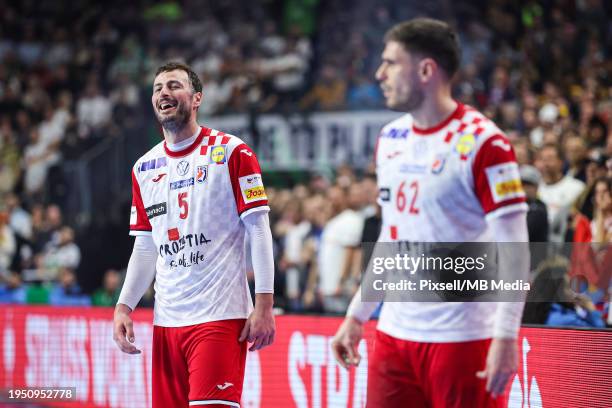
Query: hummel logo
(245, 151)
(224, 386)
(156, 179)
(502, 144)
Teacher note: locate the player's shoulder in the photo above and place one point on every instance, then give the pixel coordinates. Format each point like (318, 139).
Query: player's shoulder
(475, 122)
(231, 143)
(154, 158)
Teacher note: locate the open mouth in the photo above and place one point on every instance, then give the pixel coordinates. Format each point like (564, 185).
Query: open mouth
(165, 106)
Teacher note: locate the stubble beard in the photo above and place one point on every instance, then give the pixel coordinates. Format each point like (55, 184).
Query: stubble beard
(412, 102)
(176, 122)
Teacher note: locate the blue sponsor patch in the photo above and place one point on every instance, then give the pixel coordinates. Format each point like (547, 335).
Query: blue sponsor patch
(181, 184)
(413, 168)
(152, 164)
(396, 133)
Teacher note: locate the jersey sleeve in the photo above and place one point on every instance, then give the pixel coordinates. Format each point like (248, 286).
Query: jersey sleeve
(497, 181)
(139, 222)
(247, 183)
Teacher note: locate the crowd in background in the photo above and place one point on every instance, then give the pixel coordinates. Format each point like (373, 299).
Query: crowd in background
(73, 75)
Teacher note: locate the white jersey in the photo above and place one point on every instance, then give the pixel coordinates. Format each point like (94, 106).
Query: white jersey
(191, 201)
(440, 185)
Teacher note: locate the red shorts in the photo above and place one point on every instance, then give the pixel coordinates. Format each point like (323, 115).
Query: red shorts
(429, 375)
(198, 365)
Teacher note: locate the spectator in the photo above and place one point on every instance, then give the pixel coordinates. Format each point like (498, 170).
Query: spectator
(218, 93)
(286, 71)
(108, 294)
(558, 192)
(328, 93)
(537, 217)
(364, 94)
(311, 298)
(19, 219)
(61, 253)
(594, 261)
(547, 117)
(576, 153)
(551, 301)
(340, 235)
(39, 156)
(67, 292)
(47, 222)
(10, 169)
(93, 111)
(12, 289)
(291, 262)
(7, 244)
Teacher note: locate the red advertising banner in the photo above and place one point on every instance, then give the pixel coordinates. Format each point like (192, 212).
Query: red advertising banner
(73, 347)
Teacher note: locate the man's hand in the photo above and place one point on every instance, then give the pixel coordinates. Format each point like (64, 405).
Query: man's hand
(502, 363)
(345, 342)
(260, 328)
(123, 329)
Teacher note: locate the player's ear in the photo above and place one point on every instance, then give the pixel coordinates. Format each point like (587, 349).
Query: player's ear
(427, 67)
(197, 99)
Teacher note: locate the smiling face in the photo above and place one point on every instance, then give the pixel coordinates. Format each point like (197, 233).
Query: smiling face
(174, 101)
(399, 79)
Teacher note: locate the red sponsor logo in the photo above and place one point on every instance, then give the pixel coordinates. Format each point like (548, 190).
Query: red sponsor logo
(173, 234)
(159, 177)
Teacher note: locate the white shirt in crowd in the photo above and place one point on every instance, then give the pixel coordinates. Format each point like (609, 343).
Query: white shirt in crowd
(94, 111)
(341, 232)
(559, 198)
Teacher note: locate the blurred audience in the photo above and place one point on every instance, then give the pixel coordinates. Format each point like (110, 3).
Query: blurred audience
(72, 77)
(557, 191)
(108, 294)
(552, 301)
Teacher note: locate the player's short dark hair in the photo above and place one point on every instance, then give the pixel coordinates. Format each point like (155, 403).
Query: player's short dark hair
(431, 38)
(196, 84)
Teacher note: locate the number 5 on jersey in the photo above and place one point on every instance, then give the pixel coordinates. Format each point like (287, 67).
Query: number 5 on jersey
(183, 205)
(401, 200)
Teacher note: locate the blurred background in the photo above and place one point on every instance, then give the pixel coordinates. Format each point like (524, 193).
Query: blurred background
(295, 80)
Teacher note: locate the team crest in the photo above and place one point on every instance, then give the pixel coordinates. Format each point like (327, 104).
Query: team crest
(217, 154)
(438, 164)
(201, 173)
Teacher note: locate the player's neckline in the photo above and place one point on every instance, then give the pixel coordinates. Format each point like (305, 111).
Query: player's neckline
(457, 113)
(189, 149)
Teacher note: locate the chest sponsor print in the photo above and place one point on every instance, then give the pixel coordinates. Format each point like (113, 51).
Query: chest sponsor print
(184, 251)
(156, 209)
(152, 164)
(175, 185)
(217, 154)
(465, 145)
